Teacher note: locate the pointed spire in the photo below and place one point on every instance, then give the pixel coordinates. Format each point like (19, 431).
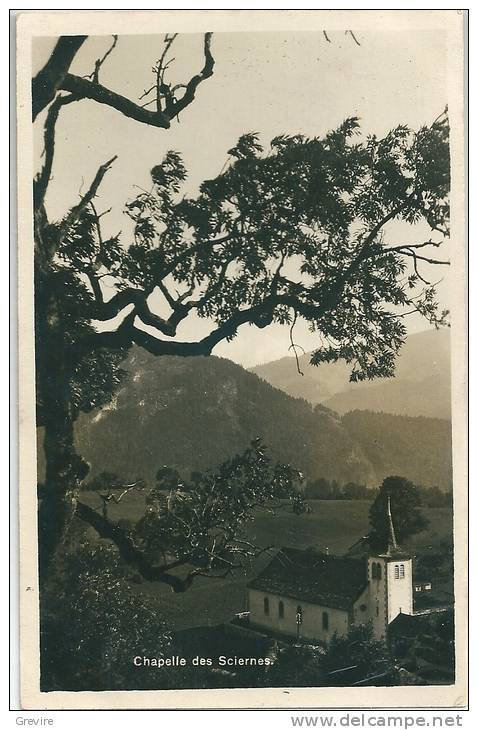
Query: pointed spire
(392, 540)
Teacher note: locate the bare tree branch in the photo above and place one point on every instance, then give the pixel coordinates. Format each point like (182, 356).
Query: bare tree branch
(416, 257)
(74, 214)
(293, 346)
(177, 106)
(435, 244)
(49, 80)
(129, 552)
(136, 558)
(94, 76)
(127, 333)
(86, 89)
(161, 87)
(125, 297)
(116, 498)
(43, 178)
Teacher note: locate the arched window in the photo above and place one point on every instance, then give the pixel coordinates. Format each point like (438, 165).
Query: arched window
(396, 572)
(376, 571)
(281, 609)
(325, 621)
(266, 606)
(402, 570)
(298, 615)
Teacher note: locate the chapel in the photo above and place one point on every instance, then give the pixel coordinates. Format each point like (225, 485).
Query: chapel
(312, 595)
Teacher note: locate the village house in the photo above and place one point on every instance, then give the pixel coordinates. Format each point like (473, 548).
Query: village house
(312, 595)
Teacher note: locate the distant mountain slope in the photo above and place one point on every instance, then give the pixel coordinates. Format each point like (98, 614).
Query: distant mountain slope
(192, 413)
(386, 440)
(421, 386)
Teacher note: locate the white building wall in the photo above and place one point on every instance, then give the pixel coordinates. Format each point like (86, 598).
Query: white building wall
(390, 592)
(364, 611)
(312, 617)
(400, 589)
(377, 596)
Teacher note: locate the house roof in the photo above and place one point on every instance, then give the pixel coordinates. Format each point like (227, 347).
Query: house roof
(408, 625)
(393, 554)
(361, 549)
(307, 575)
(416, 624)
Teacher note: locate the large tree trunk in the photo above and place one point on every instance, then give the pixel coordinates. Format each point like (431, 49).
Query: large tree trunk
(65, 469)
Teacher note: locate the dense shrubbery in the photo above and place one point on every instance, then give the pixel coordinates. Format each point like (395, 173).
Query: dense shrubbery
(92, 624)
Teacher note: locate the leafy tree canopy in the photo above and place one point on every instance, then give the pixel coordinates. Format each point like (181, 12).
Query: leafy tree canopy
(405, 504)
(297, 231)
(93, 624)
(198, 527)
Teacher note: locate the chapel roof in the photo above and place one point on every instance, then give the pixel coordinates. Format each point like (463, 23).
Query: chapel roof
(392, 554)
(307, 575)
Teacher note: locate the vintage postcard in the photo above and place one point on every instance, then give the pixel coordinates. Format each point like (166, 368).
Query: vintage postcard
(242, 257)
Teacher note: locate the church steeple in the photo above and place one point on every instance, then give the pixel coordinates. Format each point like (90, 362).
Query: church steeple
(390, 578)
(392, 540)
(393, 551)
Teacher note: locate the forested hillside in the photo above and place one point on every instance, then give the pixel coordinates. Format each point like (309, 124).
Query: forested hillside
(387, 440)
(191, 413)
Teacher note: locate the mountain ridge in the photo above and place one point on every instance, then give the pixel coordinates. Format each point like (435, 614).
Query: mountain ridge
(421, 386)
(193, 413)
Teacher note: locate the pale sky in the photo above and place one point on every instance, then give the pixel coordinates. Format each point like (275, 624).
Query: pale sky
(268, 83)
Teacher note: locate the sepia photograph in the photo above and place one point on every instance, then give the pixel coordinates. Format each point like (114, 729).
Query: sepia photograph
(242, 358)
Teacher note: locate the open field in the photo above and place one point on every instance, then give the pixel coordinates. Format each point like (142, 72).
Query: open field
(335, 525)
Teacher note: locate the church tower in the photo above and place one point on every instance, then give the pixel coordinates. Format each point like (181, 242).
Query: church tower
(390, 583)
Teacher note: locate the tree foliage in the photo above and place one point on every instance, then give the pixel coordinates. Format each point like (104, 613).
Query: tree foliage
(405, 504)
(296, 232)
(297, 665)
(92, 625)
(196, 528)
(356, 659)
(201, 523)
